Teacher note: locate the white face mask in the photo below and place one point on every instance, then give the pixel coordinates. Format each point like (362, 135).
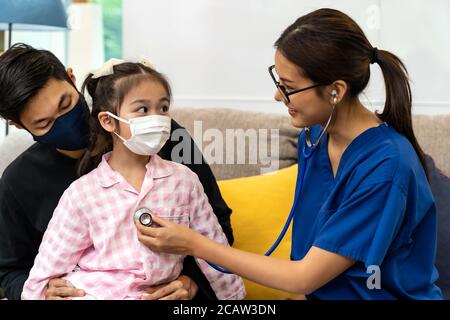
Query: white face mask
(148, 134)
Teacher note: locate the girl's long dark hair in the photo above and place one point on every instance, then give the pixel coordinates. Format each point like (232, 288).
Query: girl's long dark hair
(107, 94)
(328, 45)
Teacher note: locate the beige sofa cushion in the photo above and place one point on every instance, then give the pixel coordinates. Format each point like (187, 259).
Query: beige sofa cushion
(433, 135)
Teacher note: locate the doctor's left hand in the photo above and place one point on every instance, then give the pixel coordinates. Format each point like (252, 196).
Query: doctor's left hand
(183, 288)
(167, 237)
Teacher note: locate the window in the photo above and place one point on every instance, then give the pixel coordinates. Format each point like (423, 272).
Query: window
(112, 26)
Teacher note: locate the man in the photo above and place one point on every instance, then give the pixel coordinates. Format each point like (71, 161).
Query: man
(37, 94)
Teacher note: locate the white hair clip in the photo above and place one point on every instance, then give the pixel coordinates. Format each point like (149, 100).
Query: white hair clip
(107, 68)
(146, 62)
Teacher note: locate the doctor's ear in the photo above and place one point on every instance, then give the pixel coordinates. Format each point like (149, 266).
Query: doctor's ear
(337, 91)
(106, 122)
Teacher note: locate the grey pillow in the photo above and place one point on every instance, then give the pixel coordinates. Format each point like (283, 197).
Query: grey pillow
(440, 186)
(12, 146)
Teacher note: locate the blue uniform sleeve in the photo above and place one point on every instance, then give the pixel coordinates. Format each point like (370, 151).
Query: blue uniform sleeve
(365, 224)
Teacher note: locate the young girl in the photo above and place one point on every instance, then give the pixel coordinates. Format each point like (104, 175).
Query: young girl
(91, 239)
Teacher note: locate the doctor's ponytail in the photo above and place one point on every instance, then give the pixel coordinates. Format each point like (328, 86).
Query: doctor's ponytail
(397, 108)
(327, 45)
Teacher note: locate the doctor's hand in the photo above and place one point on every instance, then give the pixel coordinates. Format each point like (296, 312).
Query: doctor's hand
(59, 289)
(168, 237)
(183, 288)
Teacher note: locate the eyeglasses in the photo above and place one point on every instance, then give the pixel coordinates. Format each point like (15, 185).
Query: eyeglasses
(284, 93)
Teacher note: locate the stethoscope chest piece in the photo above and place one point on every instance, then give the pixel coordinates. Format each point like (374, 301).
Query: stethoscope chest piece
(144, 215)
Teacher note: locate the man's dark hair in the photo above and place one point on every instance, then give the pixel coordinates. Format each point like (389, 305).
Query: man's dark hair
(24, 71)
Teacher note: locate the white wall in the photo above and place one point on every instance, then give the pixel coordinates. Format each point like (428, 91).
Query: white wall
(85, 39)
(216, 53)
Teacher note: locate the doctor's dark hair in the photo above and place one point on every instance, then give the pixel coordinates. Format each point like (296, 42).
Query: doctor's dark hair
(24, 71)
(327, 45)
(108, 93)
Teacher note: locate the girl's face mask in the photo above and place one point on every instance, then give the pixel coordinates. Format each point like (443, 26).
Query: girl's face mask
(148, 134)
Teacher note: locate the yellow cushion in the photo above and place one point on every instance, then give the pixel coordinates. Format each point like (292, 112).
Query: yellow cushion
(261, 205)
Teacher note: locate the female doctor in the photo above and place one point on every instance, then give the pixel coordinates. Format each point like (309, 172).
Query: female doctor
(363, 203)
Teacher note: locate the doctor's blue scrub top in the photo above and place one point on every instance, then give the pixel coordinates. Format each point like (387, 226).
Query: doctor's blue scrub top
(378, 210)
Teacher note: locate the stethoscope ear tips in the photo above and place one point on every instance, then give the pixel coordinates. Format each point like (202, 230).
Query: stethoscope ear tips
(334, 96)
(144, 215)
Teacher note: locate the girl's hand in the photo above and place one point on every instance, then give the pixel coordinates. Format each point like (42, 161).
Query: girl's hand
(168, 237)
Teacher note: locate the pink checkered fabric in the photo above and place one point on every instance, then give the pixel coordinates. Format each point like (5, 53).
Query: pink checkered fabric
(91, 239)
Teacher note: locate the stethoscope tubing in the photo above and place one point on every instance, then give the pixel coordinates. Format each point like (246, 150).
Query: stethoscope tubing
(306, 155)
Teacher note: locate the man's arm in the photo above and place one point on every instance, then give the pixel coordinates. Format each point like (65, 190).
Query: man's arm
(192, 270)
(12, 282)
(17, 248)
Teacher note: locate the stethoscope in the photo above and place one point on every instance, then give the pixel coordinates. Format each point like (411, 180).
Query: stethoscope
(144, 215)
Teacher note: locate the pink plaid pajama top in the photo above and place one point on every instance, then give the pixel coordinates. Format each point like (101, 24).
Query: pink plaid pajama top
(91, 239)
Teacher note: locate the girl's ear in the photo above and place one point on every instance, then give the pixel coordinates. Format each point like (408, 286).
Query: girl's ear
(106, 122)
